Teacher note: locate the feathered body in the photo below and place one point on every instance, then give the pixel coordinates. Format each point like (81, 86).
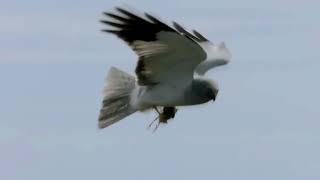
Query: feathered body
(168, 58)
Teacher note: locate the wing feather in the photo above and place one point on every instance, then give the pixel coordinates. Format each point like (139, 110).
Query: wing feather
(200, 36)
(184, 32)
(217, 55)
(166, 55)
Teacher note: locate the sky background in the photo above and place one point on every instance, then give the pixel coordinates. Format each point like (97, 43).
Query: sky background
(264, 125)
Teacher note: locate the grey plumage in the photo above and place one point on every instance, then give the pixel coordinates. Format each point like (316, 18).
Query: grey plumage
(168, 58)
(200, 91)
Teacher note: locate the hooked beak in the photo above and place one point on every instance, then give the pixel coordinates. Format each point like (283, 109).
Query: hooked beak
(215, 96)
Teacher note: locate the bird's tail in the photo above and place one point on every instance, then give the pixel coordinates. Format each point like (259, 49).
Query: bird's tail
(116, 97)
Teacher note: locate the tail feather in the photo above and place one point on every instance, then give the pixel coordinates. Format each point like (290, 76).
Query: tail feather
(116, 101)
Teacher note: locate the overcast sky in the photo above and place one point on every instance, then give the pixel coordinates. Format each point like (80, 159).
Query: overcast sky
(264, 125)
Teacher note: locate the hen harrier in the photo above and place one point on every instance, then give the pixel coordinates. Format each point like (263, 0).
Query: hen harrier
(168, 59)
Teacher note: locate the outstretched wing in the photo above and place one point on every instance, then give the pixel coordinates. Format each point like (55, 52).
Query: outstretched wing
(165, 55)
(216, 54)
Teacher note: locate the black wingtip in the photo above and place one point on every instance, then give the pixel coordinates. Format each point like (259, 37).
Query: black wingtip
(113, 24)
(110, 31)
(200, 36)
(130, 26)
(117, 17)
(127, 13)
(185, 32)
(150, 17)
(107, 14)
(103, 21)
(176, 25)
(180, 28)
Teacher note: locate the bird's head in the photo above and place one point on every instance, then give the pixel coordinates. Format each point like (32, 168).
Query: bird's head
(206, 90)
(212, 90)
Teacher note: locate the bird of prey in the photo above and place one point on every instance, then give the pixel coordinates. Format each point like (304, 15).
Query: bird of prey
(169, 72)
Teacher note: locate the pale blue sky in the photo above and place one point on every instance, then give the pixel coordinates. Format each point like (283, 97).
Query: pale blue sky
(264, 125)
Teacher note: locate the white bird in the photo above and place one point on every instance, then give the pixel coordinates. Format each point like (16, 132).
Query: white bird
(168, 58)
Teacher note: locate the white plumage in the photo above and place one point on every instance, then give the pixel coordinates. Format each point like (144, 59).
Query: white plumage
(168, 58)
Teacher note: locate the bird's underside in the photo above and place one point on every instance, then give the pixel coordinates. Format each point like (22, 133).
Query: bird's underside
(168, 57)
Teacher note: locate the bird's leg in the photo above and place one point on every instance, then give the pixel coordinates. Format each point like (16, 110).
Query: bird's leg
(155, 129)
(163, 117)
(167, 113)
(153, 122)
(155, 108)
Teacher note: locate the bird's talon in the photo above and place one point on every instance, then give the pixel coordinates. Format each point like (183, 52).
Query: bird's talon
(153, 122)
(155, 129)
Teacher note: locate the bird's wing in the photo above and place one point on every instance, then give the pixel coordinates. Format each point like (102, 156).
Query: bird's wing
(165, 54)
(217, 55)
